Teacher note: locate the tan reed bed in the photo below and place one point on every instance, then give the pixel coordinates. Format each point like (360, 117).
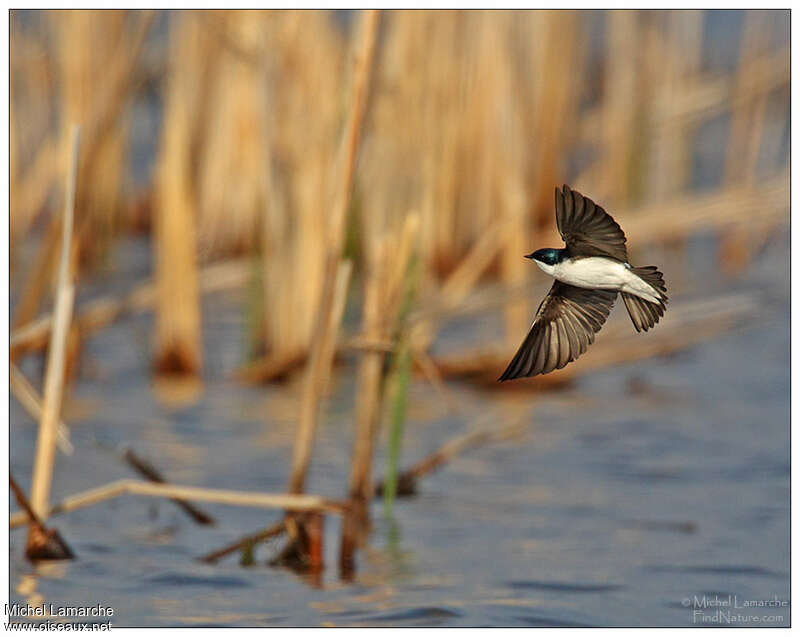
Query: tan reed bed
(94, 90)
(746, 131)
(98, 313)
(621, 107)
(463, 133)
(307, 71)
(232, 184)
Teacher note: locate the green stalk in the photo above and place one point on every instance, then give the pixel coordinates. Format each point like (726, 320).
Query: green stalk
(400, 378)
(401, 372)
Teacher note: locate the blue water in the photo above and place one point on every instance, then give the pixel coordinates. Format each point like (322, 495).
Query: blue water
(635, 492)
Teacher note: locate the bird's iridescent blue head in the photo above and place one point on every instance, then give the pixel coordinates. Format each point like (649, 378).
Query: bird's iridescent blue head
(549, 256)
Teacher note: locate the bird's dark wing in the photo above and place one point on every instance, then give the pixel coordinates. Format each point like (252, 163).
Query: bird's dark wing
(564, 327)
(587, 229)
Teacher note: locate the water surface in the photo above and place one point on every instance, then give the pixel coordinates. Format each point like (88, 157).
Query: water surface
(629, 499)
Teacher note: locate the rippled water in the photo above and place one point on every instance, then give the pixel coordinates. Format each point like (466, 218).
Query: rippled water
(628, 498)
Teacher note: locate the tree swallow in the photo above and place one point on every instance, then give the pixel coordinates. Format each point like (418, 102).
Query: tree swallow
(589, 273)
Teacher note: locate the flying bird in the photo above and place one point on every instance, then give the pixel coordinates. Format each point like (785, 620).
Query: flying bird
(589, 273)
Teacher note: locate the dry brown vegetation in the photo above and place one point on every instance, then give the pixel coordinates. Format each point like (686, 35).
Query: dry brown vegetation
(296, 147)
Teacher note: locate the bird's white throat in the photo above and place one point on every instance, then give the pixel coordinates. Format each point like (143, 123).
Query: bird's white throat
(599, 273)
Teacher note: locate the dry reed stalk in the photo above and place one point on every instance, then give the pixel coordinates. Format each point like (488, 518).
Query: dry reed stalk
(346, 161)
(178, 344)
(368, 401)
(304, 551)
(620, 104)
(305, 542)
(472, 267)
(54, 374)
(77, 501)
(29, 398)
(316, 536)
(278, 331)
(336, 274)
(304, 61)
(514, 267)
(289, 502)
(674, 70)
(396, 266)
(249, 540)
(387, 273)
(33, 160)
(386, 279)
(425, 364)
(744, 138)
(279, 366)
(556, 63)
(748, 114)
(317, 372)
(39, 279)
(148, 471)
(369, 375)
(432, 119)
(507, 196)
(233, 173)
(286, 501)
(704, 97)
(43, 543)
(98, 313)
(30, 188)
(686, 214)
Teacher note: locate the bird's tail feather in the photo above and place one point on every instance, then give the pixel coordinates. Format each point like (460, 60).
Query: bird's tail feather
(645, 314)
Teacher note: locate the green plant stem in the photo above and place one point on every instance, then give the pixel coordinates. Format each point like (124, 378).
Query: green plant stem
(399, 403)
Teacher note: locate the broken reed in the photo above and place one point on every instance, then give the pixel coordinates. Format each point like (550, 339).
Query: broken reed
(56, 361)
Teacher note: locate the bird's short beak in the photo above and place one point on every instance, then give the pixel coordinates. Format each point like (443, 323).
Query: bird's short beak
(529, 256)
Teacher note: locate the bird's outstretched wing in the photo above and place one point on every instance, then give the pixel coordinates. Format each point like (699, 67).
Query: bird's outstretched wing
(564, 327)
(587, 229)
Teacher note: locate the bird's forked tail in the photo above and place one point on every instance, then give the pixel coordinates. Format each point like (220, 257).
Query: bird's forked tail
(645, 314)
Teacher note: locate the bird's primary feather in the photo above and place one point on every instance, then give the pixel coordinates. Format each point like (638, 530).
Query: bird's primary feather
(564, 327)
(587, 229)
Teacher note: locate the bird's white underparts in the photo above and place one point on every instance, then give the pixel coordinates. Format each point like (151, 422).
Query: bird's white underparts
(599, 273)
